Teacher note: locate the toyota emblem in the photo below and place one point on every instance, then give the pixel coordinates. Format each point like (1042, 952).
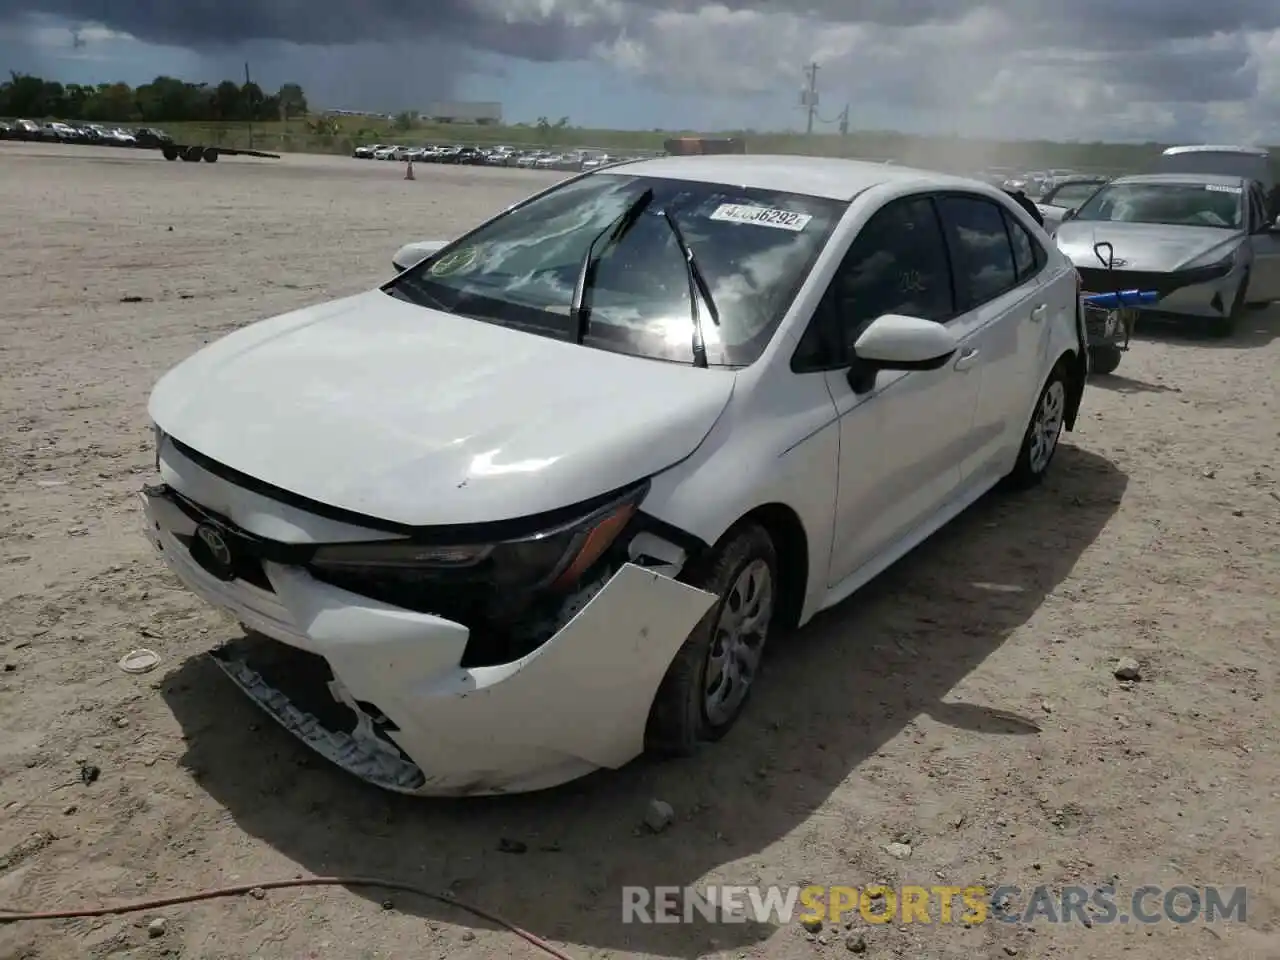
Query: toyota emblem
(218, 551)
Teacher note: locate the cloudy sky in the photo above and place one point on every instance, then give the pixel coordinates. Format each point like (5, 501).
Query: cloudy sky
(1081, 69)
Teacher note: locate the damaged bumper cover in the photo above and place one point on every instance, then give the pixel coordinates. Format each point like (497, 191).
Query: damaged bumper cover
(1197, 291)
(420, 723)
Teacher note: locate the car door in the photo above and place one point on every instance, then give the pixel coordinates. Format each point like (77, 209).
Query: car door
(899, 439)
(1264, 239)
(1003, 315)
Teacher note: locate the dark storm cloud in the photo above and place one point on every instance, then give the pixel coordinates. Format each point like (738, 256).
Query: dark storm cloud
(482, 24)
(549, 30)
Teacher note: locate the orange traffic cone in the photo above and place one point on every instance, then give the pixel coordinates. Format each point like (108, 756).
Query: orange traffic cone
(408, 171)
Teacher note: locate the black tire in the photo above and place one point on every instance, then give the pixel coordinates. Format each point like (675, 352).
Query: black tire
(192, 154)
(170, 152)
(1032, 466)
(678, 718)
(210, 154)
(1104, 360)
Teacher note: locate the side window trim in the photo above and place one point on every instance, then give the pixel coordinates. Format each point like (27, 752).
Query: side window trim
(949, 255)
(1039, 257)
(823, 321)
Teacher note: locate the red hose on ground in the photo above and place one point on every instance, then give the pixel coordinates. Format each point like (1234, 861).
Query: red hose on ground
(14, 916)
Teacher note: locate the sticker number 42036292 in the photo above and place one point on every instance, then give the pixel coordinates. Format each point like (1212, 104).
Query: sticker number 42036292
(761, 217)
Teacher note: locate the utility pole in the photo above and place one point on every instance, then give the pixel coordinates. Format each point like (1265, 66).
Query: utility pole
(247, 81)
(844, 121)
(809, 97)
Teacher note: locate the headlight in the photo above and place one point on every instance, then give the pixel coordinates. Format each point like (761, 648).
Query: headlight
(556, 557)
(1219, 262)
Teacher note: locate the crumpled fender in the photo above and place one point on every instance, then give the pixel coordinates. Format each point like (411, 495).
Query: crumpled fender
(581, 700)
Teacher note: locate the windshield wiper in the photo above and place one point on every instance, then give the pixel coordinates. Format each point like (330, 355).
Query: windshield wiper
(579, 310)
(697, 285)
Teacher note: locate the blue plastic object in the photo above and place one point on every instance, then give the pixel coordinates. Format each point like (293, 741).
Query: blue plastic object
(1121, 298)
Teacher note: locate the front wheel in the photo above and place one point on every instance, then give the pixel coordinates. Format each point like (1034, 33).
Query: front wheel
(1040, 442)
(1104, 360)
(707, 685)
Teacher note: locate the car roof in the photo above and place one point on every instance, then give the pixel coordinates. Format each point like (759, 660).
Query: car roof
(833, 178)
(1081, 178)
(1195, 178)
(1216, 148)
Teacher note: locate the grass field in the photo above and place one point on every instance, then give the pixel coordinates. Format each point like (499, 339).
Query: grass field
(297, 136)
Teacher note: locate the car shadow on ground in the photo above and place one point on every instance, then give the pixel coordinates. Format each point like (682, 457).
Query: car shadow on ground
(833, 694)
(1121, 384)
(1257, 328)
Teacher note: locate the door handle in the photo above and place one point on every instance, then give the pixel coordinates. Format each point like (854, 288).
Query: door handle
(967, 359)
(1039, 313)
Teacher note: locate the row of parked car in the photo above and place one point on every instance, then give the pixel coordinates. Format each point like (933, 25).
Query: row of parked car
(65, 131)
(500, 156)
(1054, 192)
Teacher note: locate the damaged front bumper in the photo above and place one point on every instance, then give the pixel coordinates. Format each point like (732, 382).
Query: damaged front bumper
(416, 720)
(1206, 292)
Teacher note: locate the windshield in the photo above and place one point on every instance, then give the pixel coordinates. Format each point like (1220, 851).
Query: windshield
(1180, 204)
(754, 248)
(1073, 194)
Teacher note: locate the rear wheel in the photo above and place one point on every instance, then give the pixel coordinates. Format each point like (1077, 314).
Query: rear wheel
(170, 152)
(1040, 442)
(712, 675)
(210, 154)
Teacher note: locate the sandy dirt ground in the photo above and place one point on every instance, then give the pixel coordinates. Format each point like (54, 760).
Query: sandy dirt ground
(964, 706)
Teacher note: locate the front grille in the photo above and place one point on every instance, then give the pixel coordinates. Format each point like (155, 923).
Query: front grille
(1102, 280)
(245, 566)
(460, 601)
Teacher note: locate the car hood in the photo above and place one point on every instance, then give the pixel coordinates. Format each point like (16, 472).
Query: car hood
(417, 417)
(1148, 247)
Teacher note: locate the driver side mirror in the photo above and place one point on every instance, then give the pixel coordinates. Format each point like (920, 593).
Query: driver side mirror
(414, 253)
(1069, 215)
(897, 342)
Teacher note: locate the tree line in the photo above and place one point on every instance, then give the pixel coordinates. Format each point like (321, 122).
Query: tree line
(163, 100)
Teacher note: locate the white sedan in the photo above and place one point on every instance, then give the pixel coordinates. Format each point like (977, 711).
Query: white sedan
(536, 504)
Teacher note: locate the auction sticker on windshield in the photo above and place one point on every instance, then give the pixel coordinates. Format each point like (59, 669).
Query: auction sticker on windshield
(453, 262)
(761, 217)
(1221, 188)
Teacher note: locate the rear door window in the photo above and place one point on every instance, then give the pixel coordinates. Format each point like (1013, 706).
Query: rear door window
(985, 263)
